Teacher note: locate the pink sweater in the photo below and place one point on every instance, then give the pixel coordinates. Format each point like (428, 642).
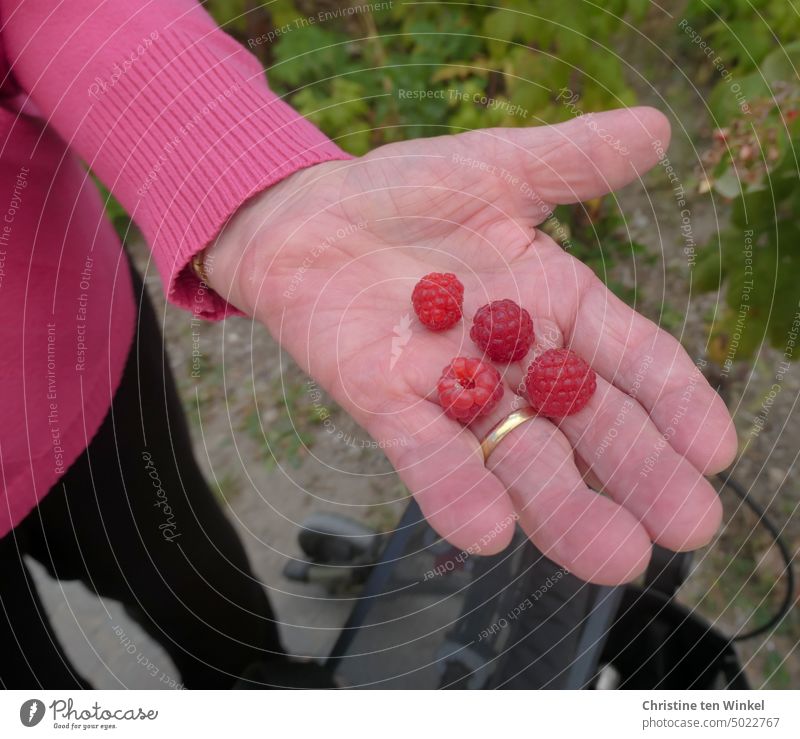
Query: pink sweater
(177, 121)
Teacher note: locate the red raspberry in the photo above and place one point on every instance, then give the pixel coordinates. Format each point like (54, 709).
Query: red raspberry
(560, 383)
(437, 300)
(503, 330)
(469, 388)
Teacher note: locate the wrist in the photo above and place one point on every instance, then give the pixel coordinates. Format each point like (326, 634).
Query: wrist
(257, 237)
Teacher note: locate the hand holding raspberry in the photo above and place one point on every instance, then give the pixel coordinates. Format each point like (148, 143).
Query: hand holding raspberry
(343, 312)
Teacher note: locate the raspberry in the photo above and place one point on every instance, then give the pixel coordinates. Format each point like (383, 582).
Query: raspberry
(437, 300)
(560, 383)
(469, 388)
(503, 330)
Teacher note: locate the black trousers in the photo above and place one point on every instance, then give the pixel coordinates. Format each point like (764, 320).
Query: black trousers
(134, 520)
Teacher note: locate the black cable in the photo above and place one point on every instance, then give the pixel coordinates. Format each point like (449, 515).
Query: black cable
(788, 571)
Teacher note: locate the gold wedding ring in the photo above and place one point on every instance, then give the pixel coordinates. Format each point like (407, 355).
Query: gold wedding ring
(504, 428)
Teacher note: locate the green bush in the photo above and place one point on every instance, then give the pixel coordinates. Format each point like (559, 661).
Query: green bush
(349, 72)
(753, 163)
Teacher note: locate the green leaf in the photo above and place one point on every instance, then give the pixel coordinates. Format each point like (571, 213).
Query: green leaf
(308, 55)
(754, 209)
(638, 9)
(728, 184)
(229, 14)
(726, 102)
(708, 272)
(501, 27)
(783, 64)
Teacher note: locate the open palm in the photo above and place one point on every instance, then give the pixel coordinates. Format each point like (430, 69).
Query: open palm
(328, 258)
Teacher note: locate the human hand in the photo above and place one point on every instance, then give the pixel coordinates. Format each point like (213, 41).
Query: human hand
(327, 260)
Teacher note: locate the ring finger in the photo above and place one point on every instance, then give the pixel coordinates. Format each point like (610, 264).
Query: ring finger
(588, 534)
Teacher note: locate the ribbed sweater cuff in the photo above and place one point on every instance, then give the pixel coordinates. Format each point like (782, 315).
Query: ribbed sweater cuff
(194, 136)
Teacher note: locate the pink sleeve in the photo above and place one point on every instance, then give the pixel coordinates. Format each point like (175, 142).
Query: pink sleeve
(173, 115)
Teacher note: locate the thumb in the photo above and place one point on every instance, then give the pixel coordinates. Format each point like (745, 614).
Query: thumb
(583, 158)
